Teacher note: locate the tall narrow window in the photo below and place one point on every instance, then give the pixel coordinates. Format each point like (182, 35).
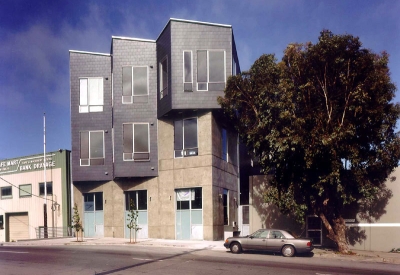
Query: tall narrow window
(91, 98)
(136, 144)
(134, 83)
(164, 77)
(92, 148)
(187, 71)
(185, 134)
(225, 203)
(211, 70)
(224, 139)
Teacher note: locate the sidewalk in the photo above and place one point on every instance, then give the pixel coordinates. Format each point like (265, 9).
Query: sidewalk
(360, 255)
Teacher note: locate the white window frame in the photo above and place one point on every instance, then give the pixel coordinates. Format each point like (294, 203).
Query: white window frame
(85, 105)
(89, 159)
(132, 95)
(185, 152)
(208, 69)
(163, 90)
(191, 68)
(126, 155)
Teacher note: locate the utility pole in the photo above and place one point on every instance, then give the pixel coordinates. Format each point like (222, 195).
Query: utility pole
(44, 178)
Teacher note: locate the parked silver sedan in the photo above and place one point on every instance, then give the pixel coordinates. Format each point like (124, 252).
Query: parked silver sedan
(271, 240)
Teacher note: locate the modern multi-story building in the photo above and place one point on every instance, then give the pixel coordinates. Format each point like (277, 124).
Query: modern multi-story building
(23, 201)
(146, 127)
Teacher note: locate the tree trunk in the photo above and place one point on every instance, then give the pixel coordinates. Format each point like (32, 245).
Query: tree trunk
(337, 233)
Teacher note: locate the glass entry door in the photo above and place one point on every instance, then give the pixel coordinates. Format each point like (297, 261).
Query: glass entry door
(189, 214)
(93, 225)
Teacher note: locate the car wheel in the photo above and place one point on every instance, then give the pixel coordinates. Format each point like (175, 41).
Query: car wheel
(288, 251)
(236, 248)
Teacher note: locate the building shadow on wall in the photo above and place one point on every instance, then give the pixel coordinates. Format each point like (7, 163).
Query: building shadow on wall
(269, 214)
(366, 211)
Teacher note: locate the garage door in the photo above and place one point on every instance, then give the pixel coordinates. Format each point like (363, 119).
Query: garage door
(18, 226)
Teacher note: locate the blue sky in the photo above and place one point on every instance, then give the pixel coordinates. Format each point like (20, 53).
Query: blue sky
(37, 35)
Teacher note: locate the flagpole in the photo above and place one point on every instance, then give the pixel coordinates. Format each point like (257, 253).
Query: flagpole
(44, 178)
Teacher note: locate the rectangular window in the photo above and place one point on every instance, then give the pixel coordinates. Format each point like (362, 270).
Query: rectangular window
(91, 98)
(134, 83)
(185, 137)
(93, 201)
(6, 192)
(189, 198)
(211, 70)
(224, 139)
(136, 141)
(49, 188)
(226, 205)
(164, 77)
(187, 71)
(92, 148)
(139, 199)
(25, 190)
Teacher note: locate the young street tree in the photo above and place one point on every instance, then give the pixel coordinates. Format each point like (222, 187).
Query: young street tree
(322, 123)
(132, 220)
(77, 223)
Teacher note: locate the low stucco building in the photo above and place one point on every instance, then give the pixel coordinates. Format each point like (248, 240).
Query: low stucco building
(22, 199)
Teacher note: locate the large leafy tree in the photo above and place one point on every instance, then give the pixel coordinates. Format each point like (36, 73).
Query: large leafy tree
(322, 123)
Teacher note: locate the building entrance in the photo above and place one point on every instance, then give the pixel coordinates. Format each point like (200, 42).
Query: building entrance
(93, 223)
(189, 214)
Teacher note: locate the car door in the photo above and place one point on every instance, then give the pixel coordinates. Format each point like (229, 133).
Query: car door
(257, 240)
(275, 241)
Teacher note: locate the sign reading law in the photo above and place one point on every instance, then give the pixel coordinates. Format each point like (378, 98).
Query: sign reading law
(26, 164)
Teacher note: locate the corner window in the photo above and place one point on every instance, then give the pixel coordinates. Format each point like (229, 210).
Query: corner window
(25, 190)
(91, 95)
(6, 192)
(187, 71)
(185, 138)
(49, 188)
(134, 83)
(225, 203)
(210, 70)
(136, 141)
(92, 148)
(163, 77)
(139, 199)
(224, 139)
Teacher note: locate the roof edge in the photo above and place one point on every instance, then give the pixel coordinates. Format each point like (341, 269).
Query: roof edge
(193, 22)
(133, 39)
(94, 53)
